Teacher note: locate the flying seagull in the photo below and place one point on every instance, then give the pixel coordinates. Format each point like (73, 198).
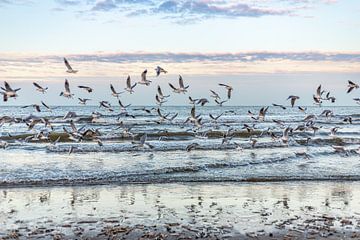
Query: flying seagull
(159, 70)
(228, 88)
(143, 80)
(9, 92)
(181, 88)
(113, 92)
(129, 87)
(293, 99)
(86, 88)
(40, 88)
(67, 92)
(69, 68)
(351, 86)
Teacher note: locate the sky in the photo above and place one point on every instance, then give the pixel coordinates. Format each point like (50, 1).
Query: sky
(266, 49)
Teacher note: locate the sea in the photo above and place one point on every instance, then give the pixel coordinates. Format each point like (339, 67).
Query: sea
(118, 160)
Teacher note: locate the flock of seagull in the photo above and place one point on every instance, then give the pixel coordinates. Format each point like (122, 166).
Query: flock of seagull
(196, 120)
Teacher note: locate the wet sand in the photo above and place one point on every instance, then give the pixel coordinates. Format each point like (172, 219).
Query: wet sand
(286, 210)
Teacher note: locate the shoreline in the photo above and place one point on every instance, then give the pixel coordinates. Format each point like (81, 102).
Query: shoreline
(266, 210)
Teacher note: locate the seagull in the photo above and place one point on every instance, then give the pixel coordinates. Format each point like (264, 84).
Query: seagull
(330, 98)
(160, 93)
(221, 102)
(351, 86)
(159, 101)
(193, 118)
(333, 131)
(202, 101)
(191, 146)
(317, 97)
(40, 88)
(285, 137)
(228, 88)
(262, 113)
(293, 99)
(83, 100)
(357, 100)
(159, 70)
(214, 95)
(215, 118)
(182, 88)
(46, 106)
(113, 92)
(123, 107)
(142, 142)
(67, 92)
(192, 101)
(9, 92)
(144, 81)
(69, 68)
(302, 109)
(106, 105)
(70, 115)
(280, 106)
(86, 88)
(35, 106)
(129, 87)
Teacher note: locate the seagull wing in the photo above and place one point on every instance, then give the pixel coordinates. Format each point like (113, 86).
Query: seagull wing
(67, 64)
(37, 85)
(67, 87)
(128, 82)
(181, 82)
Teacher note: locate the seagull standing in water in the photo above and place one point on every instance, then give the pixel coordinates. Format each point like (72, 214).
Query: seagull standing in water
(68, 66)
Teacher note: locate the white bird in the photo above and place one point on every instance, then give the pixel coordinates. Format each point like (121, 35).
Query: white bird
(67, 93)
(86, 88)
(129, 87)
(143, 80)
(159, 70)
(293, 99)
(142, 142)
(182, 88)
(40, 88)
(113, 92)
(123, 107)
(214, 95)
(160, 93)
(9, 92)
(83, 100)
(69, 68)
(351, 86)
(159, 101)
(228, 88)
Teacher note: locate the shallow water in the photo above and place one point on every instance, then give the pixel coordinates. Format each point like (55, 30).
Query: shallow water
(119, 161)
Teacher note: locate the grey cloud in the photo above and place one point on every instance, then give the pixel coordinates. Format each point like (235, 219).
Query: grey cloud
(196, 57)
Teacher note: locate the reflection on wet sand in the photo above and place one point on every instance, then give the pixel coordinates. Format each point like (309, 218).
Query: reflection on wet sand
(263, 210)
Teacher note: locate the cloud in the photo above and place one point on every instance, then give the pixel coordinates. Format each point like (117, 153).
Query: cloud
(190, 11)
(167, 57)
(105, 5)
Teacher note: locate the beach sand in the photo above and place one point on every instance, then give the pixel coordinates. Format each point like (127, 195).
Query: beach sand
(272, 210)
